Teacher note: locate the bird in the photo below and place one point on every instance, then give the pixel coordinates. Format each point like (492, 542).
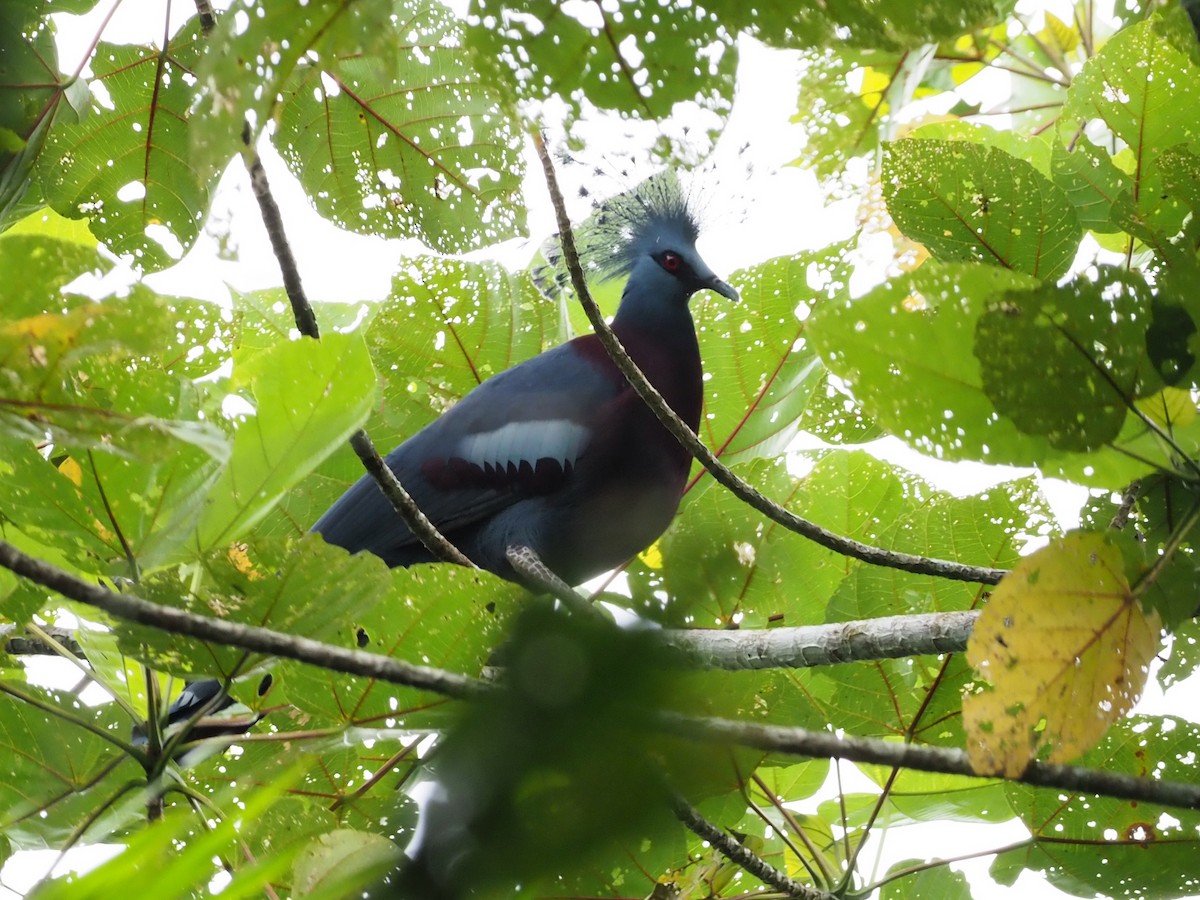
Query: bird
(558, 454)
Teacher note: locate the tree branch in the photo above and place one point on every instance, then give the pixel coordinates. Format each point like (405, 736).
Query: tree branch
(306, 322)
(248, 637)
(891, 637)
(906, 562)
(923, 758)
(737, 852)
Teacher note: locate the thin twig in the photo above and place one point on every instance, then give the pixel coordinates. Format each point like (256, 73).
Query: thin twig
(735, 851)
(248, 637)
(538, 576)
(876, 556)
(306, 322)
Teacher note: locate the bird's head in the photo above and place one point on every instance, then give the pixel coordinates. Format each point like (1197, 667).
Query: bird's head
(650, 235)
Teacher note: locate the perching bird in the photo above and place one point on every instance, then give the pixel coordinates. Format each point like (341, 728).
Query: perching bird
(558, 454)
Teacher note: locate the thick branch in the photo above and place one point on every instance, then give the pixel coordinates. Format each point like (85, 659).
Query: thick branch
(906, 562)
(949, 761)
(306, 322)
(737, 852)
(892, 637)
(248, 637)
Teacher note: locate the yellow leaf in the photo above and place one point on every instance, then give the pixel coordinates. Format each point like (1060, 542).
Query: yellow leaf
(241, 561)
(1066, 647)
(1170, 407)
(652, 556)
(71, 469)
(874, 85)
(1059, 32)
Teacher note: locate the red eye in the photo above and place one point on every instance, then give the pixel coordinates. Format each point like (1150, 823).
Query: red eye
(672, 262)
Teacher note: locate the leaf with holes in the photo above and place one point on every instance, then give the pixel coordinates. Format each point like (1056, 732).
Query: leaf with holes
(1066, 647)
(409, 141)
(1087, 339)
(1138, 95)
(310, 396)
(761, 370)
(126, 166)
(966, 201)
(1094, 846)
(908, 352)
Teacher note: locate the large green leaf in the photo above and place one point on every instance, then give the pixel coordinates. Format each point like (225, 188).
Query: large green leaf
(61, 768)
(761, 371)
(302, 586)
(310, 396)
(965, 201)
(1088, 845)
(34, 95)
(1087, 338)
(246, 64)
(407, 141)
(436, 615)
(1135, 99)
(126, 167)
(907, 350)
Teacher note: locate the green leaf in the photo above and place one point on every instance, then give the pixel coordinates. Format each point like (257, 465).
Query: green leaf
(61, 768)
(966, 201)
(408, 141)
(310, 396)
(1090, 845)
(303, 587)
(1087, 338)
(246, 64)
(907, 350)
(435, 615)
(938, 881)
(761, 370)
(125, 167)
(31, 93)
(334, 864)
(69, 375)
(1138, 93)
(637, 59)
(169, 858)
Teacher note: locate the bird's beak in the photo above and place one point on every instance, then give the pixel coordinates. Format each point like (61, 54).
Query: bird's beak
(723, 288)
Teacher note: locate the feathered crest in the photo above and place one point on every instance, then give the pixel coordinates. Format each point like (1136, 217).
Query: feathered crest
(624, 227)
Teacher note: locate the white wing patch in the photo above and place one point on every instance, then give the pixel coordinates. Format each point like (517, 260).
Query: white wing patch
(558, 439)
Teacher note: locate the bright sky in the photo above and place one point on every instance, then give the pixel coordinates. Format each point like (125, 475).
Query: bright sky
(755, 207)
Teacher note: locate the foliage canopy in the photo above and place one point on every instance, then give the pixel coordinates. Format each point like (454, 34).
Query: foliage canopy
(1039, 310)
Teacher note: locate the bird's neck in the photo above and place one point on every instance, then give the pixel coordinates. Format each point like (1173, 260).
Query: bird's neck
(660, 337)
(666, 319)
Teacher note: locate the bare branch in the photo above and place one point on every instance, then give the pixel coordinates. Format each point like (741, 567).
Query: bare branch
(923, 758)
(536, 575)
(248, 637)
(906, 562)
(737, 852)
(891, 637)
